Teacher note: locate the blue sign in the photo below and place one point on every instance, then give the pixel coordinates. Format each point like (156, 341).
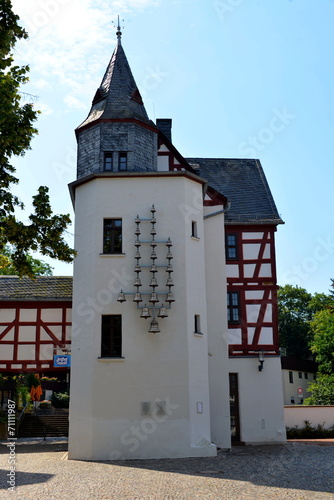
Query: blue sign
(62, 361)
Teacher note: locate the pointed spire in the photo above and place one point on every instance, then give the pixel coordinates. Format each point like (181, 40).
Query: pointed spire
(118, 32)
(118, 96)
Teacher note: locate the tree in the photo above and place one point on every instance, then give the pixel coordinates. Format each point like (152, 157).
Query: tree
(293, 320)
(322, 344)
(45, 231)
(322, 391)
(39, 267)
(296, 309)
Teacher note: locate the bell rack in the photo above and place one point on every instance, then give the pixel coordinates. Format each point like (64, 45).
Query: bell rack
(154, 309)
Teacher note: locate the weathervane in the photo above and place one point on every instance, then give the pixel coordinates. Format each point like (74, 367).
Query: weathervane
(118, 32)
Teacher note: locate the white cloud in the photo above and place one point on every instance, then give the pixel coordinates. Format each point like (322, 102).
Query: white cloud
(73, 102)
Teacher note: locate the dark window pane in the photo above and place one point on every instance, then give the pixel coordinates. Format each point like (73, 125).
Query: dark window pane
(111, 336)
(233, 307)
(112, 236)
(108, 161)
(123, 161)
(231, 247)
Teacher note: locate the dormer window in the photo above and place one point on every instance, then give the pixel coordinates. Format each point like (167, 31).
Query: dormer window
(123, 161)
(108, 161)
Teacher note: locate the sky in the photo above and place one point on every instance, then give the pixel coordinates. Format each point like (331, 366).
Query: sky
(239, 78)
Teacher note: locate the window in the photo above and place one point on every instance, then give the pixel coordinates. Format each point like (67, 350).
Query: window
(108, 161)
(233, 307)
(300, 375)
(292, 400)
(123, 160)
(194, 229)
(111, 336)
(197, 323)
(291, 377)
(231, 247)
(305, 375)
(112, 236)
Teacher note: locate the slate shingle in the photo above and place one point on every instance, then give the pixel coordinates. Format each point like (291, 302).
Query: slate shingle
(41, 288)
(244, 184)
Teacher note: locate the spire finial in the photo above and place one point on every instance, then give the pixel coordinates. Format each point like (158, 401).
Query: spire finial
(118, 32)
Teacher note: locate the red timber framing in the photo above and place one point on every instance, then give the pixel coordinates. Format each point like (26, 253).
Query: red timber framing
(31, 333)
(252, 273)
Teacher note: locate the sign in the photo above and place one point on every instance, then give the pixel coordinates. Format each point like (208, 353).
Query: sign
(300, 390)
(62, 361)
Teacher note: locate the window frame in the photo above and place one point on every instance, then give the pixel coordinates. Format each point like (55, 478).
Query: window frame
(116, 248)
(232, 307)
(115, 340)
(231, 247)
(108, 155)
(122, 155)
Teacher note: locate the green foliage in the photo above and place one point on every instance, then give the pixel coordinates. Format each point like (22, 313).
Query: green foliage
(322, 391)
(45, 231)
(309, 432)
(39, 267)
(45, 404)
(60, 399)
(296, 309)
(32, 381)
(322, 344)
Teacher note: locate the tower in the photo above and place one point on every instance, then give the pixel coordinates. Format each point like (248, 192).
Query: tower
(139, 387)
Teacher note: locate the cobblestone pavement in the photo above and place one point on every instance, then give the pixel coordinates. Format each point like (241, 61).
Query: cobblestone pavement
(290, 471)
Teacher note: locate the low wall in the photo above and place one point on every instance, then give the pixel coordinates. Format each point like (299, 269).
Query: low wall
(295, 415)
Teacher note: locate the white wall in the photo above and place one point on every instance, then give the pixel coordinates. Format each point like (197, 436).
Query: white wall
(106, 395)
(296, 416)
(260, 400)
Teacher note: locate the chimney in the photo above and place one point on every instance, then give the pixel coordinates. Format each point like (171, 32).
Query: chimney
(165, 125)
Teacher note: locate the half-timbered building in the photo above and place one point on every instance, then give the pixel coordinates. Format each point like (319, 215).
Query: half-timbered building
(175, 343)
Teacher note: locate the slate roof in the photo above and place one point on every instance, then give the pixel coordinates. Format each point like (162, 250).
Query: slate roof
(118, 95)
(41, 288)
(244, 184)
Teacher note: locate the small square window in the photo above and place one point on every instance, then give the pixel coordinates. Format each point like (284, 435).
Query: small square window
(231, 246)
(233, 307)
(111, 336)
(112, 236)
(194, 229)
(123, 161)
(108, 161)
(292, 400)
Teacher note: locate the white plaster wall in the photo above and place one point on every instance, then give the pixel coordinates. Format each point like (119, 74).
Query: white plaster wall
(106, 395)
(260, 400)
(290, 390)
(215, 271)
(296, 416)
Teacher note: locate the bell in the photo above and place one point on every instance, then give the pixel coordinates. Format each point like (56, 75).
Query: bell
(153, 269)
(154, 281)
(137, 297)
(153, 220)
(137, 269)
(153, 230)
(169, 243)
(121, 297)
(169, 269)
(170, 297)
(169, 282)
(162, 312)
(137, 220)
(137, 256)
(154, 327)
(137, 231)
(169, 254)
(153, 243)
(154, 298)
(137, 282)
(145, 312)
(153, 255)
(153, 210)
(137, 243)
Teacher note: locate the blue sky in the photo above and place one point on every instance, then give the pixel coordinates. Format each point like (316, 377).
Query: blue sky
(239, 78)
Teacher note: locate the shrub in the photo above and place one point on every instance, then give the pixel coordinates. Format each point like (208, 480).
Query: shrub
(309, 432)
(60, 399)
(45, 404)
